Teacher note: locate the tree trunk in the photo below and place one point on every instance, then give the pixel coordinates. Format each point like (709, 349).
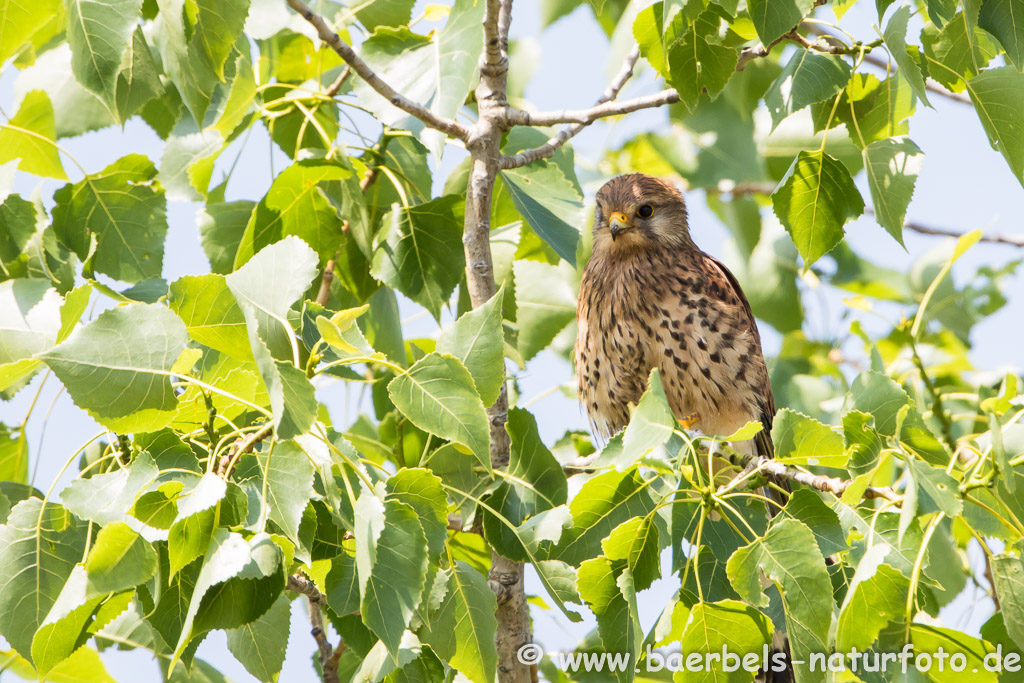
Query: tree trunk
(506, 578)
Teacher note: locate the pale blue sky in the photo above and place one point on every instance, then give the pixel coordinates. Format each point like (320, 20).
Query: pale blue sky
(963, 185)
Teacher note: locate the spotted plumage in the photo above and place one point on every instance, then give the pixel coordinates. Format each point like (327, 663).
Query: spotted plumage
(650, 298)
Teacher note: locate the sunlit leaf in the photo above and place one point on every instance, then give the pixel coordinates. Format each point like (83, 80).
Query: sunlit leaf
(814, 200)
(437, 395)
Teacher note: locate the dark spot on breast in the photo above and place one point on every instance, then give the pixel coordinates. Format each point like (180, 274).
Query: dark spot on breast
(702, 345)
(689, 319)
(715, 358)
(706, 372)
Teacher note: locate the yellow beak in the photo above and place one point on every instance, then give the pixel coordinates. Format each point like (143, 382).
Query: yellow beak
(618, 223)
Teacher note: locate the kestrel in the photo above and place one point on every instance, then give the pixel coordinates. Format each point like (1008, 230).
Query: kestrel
(650, 298)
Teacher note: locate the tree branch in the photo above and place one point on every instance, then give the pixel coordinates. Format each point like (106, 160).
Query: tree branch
(328, 662)
(1013, 240)
(548, 148)
(484, 145)
(520, 117)
(930, 84)
(821, 482)
(767, 188)
(331, 38)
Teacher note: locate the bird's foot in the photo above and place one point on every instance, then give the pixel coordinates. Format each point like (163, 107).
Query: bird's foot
(689, 421)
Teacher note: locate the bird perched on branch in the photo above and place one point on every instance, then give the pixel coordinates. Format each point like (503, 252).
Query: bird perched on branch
(650, 298)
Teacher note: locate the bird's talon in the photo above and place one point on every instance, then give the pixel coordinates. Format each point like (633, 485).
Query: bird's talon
(689, 421)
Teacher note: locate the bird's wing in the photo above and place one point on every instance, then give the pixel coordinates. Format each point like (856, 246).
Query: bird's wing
(764, 439)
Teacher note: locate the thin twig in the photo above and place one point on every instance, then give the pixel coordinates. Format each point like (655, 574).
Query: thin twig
(520, 117)
(753, 187)
(345, 51)
(1012, 240)
(549, 147)
(821, 482)
(227, 461)
(930, 84)
(328, 662)
(335, 87)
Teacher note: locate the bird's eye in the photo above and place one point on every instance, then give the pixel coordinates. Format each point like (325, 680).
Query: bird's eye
(645, 211)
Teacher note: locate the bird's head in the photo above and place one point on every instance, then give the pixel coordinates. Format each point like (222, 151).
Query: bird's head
(637, 211)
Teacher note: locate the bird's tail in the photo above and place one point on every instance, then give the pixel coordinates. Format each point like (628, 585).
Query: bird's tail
(763, 447)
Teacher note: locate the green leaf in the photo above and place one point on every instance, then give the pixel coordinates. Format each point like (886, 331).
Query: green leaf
(1008, 575)
(636, 542)
(535, 483)
(60, 633)
(476, 339)
(892, 168)
(106, 498)
(217, 599)
(974, 651)
(1005, 20)
(117, 367)
(139, 80)
(297, 204)
(437, 395)
(807, 506)
(608, 588)
(265, 289)
(872, 603)
(697, 62)
(958, 52)
(189, 537)
(194, 40)
(545, 304)
(814, 200)
(550, 202)
(217, 27)
(873, 110)
(998, 97)
(119, 559)
(462, 629)
(31, 135)
(724, 626)
(29, 324)
(260, 646)
(876, 394)
(288, 482)
(20, 21)
(788, 555)
(19, 217)
(124, 210)
(936, 489)
(221, 227)
(420, 253)
(773, 18)
(603, 503)
(39, 546)
(421, 490)
(391, 555)
(650, 426)
(187, 163)
(211, 314)
(806, 79)
(435, 71)
(895, 36)
(13, 457)
(99, 32)
(802, 440)
(376, 13)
